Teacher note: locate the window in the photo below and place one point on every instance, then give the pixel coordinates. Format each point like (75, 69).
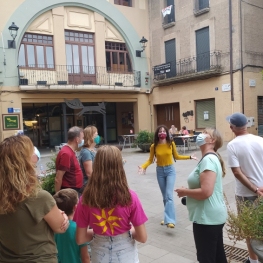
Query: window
(117, 57)
(168, 12)
(36, 51)
(201, 7)
(202, 49)
(170, 57)
(123, 2)
(205, 113)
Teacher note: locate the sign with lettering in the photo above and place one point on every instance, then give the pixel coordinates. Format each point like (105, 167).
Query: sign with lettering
(11, 121)
(162, 69)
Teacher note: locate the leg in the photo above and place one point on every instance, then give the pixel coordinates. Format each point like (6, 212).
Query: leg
(161, 178)
(251, 253)
(220, 252)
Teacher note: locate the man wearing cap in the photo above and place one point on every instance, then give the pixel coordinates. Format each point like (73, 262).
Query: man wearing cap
(245, 159)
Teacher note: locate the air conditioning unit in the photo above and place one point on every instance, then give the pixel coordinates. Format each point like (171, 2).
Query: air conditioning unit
(148, 91)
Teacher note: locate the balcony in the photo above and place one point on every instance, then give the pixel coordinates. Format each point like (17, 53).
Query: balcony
(203, 66)
(169, 18)
(201, 7)
(78, 77)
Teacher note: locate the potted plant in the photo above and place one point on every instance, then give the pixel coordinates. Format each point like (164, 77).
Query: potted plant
(247, 224)
(144, 140)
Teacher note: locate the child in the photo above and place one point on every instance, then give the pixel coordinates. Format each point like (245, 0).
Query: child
(68, 250)
(112, 210)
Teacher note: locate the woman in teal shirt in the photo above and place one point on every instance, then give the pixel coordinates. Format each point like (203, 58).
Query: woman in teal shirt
(205, 200)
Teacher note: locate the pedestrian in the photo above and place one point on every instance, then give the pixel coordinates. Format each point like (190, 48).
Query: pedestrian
(88, 152)
(245, 160)
(68, 171)
(68, 249)
(112, 210)
(205, 199)
(28, 215)
(165, 150)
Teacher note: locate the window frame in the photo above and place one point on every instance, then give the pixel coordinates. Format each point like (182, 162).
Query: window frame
(36, 44)
(121, 2)
(122, 49)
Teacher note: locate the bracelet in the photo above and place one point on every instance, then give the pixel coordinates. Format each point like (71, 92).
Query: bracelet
(256, 190)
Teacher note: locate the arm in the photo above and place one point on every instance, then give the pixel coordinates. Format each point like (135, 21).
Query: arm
(180, 157)
(84, 254)
(56, 220)
(207, 182)
(58, 180)
(243, 179)
(88, 167)
(139, 233)
(150, 160)
(83, 235)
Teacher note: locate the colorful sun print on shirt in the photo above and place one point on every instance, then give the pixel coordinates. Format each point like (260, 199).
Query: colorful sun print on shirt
(105, 218)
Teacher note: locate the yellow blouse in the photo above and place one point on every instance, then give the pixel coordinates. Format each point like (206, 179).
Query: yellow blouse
(164, 154)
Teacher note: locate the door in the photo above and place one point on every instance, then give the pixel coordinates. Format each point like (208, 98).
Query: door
(202, 49)
(170, 56)
(168, 115)
(80, 58)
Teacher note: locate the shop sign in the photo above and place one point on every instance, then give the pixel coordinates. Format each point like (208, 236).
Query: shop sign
(11, 121)
(162, 69)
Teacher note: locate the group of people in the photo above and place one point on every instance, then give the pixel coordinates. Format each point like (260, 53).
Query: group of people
(93, 201)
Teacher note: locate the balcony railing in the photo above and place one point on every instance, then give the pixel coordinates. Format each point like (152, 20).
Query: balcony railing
(201, 6)
(204, 65)
(46, 75)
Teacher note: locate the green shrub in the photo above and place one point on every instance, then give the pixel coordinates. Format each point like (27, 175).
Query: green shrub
(144, 137)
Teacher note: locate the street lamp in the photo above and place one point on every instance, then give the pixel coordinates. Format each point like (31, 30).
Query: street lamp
(143, 42)
(13, 32)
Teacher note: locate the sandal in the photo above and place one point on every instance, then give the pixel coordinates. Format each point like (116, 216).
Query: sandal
(170, 225)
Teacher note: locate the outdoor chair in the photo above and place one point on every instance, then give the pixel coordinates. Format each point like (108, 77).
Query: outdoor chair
(180, 144)
(122, 140)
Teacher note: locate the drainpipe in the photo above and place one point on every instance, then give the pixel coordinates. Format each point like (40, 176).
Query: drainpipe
(241, 56)
(231, 50)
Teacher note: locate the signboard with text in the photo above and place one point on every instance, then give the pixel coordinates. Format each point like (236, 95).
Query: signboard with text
(11, 121)
(162, 69)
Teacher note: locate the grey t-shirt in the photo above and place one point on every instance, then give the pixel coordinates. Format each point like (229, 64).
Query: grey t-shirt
(85, 155)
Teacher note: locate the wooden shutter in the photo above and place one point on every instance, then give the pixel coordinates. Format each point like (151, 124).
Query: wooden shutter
(170, 56)
(202, 49)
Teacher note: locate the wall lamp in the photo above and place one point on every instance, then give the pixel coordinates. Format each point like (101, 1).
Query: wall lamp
(143, 42)
(13, 32)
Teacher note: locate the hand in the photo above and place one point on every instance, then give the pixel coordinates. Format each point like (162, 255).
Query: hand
(260, 191)
(180, 191)
(194, 157)
(65, 223)
(141, 170)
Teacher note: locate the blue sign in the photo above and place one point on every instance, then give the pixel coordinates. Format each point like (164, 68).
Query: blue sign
(10, 110)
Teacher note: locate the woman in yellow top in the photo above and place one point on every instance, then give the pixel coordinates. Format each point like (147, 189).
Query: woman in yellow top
(165, 150)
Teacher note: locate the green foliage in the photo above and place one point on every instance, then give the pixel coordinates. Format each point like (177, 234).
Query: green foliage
(144, 137)
(248, 223)
(48, 182)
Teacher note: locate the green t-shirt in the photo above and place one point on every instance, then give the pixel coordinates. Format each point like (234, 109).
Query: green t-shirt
(68, 249)
(25, 236)
(211, 211)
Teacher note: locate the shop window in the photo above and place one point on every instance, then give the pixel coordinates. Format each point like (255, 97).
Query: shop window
(123, 2)
(36, 51)
(117, 57)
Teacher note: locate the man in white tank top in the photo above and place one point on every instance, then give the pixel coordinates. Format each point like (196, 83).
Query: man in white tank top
(245, 158)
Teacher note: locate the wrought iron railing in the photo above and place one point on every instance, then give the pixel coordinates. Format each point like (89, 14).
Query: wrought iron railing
(206, 62)
(77, 75)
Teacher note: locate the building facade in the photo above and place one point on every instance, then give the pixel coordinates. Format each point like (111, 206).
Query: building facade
(73, 63)
(193, 63)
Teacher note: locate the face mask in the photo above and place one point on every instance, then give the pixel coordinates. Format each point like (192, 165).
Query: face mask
(162, 135)
(81, 143)
(97, 139)
(200, 139)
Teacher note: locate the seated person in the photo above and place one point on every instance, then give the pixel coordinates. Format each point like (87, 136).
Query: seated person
(173, 131)
(184, 131)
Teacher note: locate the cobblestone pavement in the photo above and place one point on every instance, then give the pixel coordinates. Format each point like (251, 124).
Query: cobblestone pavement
(166, 245)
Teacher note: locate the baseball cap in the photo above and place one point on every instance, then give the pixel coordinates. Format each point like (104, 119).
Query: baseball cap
(237, 119)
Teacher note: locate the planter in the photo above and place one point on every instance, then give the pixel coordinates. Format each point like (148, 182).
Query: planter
(257, 246)
(145, 147)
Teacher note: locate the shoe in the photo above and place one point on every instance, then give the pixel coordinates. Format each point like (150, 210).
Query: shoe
(247, 261)
(162, 223)
(170, 225)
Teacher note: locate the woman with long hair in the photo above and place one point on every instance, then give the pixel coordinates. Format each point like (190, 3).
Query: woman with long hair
(205, 200)
(112, 210)
(164, 149)
(28, 215)
(88, 152)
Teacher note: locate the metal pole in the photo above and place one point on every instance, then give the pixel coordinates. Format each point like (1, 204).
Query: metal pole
(241, 56)
(105, 128)
(65, 130)
(231, 50)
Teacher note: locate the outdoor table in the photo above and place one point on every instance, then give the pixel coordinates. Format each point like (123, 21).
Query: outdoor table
(130, 138)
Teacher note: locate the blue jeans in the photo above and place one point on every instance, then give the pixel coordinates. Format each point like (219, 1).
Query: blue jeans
(114, 249)
(166, 180)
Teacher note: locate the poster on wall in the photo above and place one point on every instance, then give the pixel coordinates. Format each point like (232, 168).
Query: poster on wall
(11, 121)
